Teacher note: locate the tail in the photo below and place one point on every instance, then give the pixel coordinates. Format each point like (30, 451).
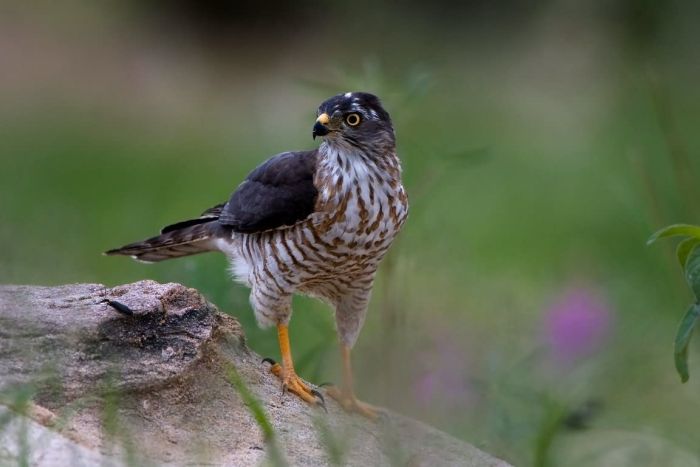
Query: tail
(177, 240)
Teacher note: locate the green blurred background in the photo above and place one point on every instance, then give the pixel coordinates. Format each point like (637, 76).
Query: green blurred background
(542, 143)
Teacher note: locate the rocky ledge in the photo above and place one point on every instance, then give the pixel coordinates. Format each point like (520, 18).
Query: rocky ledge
(153, 374)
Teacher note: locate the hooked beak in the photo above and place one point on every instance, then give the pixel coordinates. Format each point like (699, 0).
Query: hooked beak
(320, 128)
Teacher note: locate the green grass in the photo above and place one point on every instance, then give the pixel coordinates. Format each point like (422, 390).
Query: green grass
(275, 456)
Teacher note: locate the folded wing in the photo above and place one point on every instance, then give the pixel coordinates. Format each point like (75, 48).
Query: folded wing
(280, 192)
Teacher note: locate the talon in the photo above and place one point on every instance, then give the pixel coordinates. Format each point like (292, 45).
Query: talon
(322, 402)
(291, 382)
(347, 400)
(324, 384)
(345, 396)
(269, 360)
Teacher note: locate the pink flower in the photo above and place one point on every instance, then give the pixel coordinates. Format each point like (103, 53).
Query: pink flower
(577, 324)
(444, 379)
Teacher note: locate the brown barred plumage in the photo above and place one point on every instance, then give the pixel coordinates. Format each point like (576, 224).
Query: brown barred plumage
(175, 244)
(337, 247)
(316, 223)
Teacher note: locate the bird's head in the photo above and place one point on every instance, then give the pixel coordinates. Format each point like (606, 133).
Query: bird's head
(356, 119)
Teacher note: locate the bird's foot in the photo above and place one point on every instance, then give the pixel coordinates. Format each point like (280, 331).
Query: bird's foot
(293, 383)
(350, 403)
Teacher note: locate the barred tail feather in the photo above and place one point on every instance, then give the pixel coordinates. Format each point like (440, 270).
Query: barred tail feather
(173, 243)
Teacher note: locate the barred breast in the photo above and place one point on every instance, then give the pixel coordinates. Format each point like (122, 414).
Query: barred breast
(334, 253)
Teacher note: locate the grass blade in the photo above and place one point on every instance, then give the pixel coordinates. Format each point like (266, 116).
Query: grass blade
(258, 412)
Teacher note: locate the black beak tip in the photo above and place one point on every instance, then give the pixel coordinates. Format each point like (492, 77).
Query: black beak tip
(319, 130)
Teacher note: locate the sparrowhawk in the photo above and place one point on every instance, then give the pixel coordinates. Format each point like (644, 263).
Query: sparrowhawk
(311, 222)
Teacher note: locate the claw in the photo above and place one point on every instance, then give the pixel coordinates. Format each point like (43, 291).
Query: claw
(350, 404)
(325, 383)
(322, 401)
(291, 382)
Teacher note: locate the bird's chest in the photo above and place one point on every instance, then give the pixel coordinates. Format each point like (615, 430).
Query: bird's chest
(360, 217)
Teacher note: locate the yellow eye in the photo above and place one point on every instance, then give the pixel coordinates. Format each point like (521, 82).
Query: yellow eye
(353, 119)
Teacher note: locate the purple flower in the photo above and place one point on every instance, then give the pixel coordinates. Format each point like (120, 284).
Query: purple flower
(444, 376)
(577, 324)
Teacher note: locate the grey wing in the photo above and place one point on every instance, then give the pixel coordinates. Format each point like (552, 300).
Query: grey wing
(209, 215)
(279, 192)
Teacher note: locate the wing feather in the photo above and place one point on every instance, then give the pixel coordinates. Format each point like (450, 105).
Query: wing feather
(278, 193)
(209, 215)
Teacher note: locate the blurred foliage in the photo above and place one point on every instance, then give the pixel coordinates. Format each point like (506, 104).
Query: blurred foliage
(275, 456)
(541, 144)
(688, 255)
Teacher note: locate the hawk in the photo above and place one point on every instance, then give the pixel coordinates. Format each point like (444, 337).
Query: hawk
(311, 222)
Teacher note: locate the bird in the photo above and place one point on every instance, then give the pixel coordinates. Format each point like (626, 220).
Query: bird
(315, 222)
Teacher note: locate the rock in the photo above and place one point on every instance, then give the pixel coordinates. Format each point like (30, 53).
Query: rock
(142, 374)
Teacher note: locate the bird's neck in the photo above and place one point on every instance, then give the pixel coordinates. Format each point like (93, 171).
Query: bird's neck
(341, 169)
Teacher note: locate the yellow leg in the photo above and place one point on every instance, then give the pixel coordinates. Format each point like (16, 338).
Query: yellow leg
(345, 395)
(290, 381)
